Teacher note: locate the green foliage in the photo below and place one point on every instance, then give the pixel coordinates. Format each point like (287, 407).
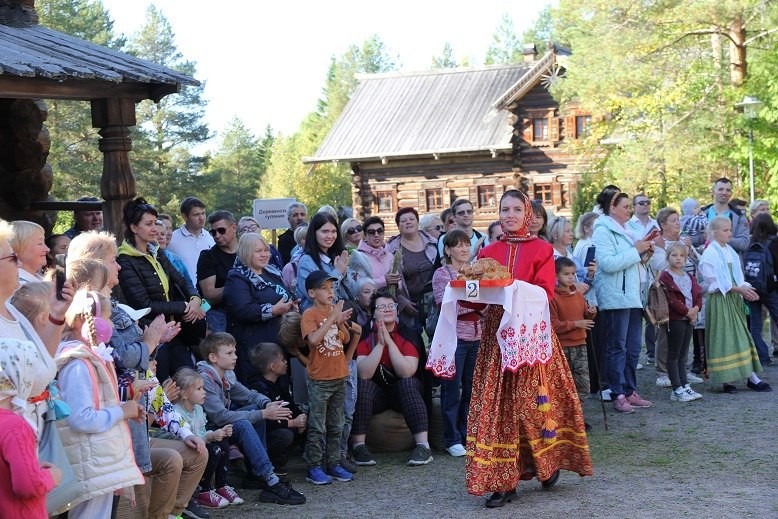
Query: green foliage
(505, 47)
(655, 77)
(446, 58)
(323, 184)
(164, 167)
(236, 168)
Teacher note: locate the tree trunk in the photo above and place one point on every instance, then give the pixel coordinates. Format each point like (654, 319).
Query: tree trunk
(737, 52)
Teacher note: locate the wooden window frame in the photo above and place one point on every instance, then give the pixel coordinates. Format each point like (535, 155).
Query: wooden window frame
(543, 191)
(486, 189)
(436, 202)
(379, 193)
(544, 122)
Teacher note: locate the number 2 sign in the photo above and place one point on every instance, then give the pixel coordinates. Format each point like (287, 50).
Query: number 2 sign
(472, 289)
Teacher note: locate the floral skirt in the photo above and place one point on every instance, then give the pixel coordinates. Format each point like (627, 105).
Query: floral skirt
(505, 430)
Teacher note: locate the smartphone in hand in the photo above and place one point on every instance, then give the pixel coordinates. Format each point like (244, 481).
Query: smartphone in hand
(589, 255)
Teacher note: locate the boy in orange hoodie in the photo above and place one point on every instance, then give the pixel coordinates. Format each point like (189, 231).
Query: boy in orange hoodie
(571, 316)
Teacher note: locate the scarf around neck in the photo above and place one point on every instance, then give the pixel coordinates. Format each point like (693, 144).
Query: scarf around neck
(261, 283)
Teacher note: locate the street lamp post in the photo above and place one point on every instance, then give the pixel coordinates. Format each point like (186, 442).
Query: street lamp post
(750, 106)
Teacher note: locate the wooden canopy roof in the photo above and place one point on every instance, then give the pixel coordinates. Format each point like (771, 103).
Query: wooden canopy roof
(37, 62)
(430, 113)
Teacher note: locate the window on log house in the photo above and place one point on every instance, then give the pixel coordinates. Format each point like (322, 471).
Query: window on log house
(434, 199)
(486, 196)
(544, 193)
(540, 129)
(384, 201)
(582, 123)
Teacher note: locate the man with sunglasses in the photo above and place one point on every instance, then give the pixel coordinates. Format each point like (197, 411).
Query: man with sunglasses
(214, 265)
(462, 210)
(189, 240)
(641, 222)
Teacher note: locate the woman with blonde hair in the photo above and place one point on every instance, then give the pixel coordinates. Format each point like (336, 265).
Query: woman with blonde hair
(29, 244)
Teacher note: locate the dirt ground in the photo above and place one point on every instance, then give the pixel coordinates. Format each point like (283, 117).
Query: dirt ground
(712, 458)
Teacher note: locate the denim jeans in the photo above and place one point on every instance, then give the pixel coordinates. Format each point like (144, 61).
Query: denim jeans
(623, 349)
(455, 394)
(216, 318)
(251, 440)
(755, 322)
(350, 405)
(326, 399)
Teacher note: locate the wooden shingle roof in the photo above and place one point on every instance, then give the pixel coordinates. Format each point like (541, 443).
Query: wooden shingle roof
(78, 69)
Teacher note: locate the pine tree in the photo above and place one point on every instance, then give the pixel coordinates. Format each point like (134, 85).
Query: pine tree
(505, 47)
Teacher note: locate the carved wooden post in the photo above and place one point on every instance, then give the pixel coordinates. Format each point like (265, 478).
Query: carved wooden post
(117, 185)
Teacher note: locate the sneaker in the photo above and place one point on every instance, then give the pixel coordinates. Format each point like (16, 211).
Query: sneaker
(317, 476)
(622, 405)
(639, 366)
(282, 493)
(338, 473)
(690, 391)
(228, 493)
(650, 360)
(211, 499)
(606, 395)
(194, 511)
(691, 378)
(680, 395)
(663, 381)
(347, 464)
(635, 400)
(362, 456)
(421, 455)
(456, 450)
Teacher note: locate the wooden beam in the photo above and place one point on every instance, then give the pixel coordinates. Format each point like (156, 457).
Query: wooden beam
(81, 89)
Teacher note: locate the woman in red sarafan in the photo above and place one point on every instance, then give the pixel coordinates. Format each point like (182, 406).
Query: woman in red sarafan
(515, 432)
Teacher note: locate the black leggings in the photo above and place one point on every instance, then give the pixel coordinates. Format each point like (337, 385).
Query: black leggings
(218, 458)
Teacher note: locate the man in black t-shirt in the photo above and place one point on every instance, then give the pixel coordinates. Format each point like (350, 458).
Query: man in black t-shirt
(296, 214)
(214, 264)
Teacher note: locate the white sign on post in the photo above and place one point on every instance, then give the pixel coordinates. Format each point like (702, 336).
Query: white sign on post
(270, 213)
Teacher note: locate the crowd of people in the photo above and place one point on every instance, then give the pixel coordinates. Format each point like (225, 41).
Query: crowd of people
(158, 360)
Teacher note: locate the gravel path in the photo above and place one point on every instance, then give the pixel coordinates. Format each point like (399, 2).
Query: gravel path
(712, 458)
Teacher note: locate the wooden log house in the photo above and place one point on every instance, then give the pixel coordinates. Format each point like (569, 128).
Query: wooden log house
(425, 139)
(37, 63)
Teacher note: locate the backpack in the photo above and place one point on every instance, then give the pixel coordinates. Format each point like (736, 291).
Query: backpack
(657, 310)
(758, 268)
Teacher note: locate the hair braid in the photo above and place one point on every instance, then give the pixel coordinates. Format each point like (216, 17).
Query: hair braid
(90, 320)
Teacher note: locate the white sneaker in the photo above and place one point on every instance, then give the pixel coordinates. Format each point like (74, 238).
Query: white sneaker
(680, 395)
(689, 391)
(456, 450)
(606, 395)
(639, 366)
(691, 378)
(663, 381)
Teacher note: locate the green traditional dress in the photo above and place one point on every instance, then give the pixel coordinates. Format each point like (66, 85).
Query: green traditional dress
(729, 347)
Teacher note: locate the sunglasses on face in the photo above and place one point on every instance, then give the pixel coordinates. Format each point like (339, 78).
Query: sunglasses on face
(248, 228)
(219, 230)
(435, 228)
(644, 202)
(354, 230)
(13, 257)
(464, 212)
(373, 232)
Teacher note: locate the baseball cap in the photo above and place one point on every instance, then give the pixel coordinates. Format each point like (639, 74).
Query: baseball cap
(316, 279)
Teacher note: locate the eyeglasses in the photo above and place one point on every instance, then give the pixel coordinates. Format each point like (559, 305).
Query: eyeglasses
(373, 232)
(248, 228)
(434, 228)
(220, 230)
(13, 257)
(644, 202)
(386, 308)
(464, 212)
(354, 230)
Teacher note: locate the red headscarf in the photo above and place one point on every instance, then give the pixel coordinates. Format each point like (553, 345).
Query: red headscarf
(523, 233)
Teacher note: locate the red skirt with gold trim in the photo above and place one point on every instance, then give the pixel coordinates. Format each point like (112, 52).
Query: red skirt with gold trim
(505, 428)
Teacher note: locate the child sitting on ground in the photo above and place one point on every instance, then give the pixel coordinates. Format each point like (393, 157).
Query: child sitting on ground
(222, 392)
(684, 297)
(95, 437)
(24, 482)
(571, 317)
(326, 328)
(269, 360)
(190, 406)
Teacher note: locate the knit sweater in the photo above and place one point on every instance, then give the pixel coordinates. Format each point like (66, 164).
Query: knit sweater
(567, 307)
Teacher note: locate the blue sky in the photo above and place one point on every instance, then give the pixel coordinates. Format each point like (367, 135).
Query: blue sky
(266, 62)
